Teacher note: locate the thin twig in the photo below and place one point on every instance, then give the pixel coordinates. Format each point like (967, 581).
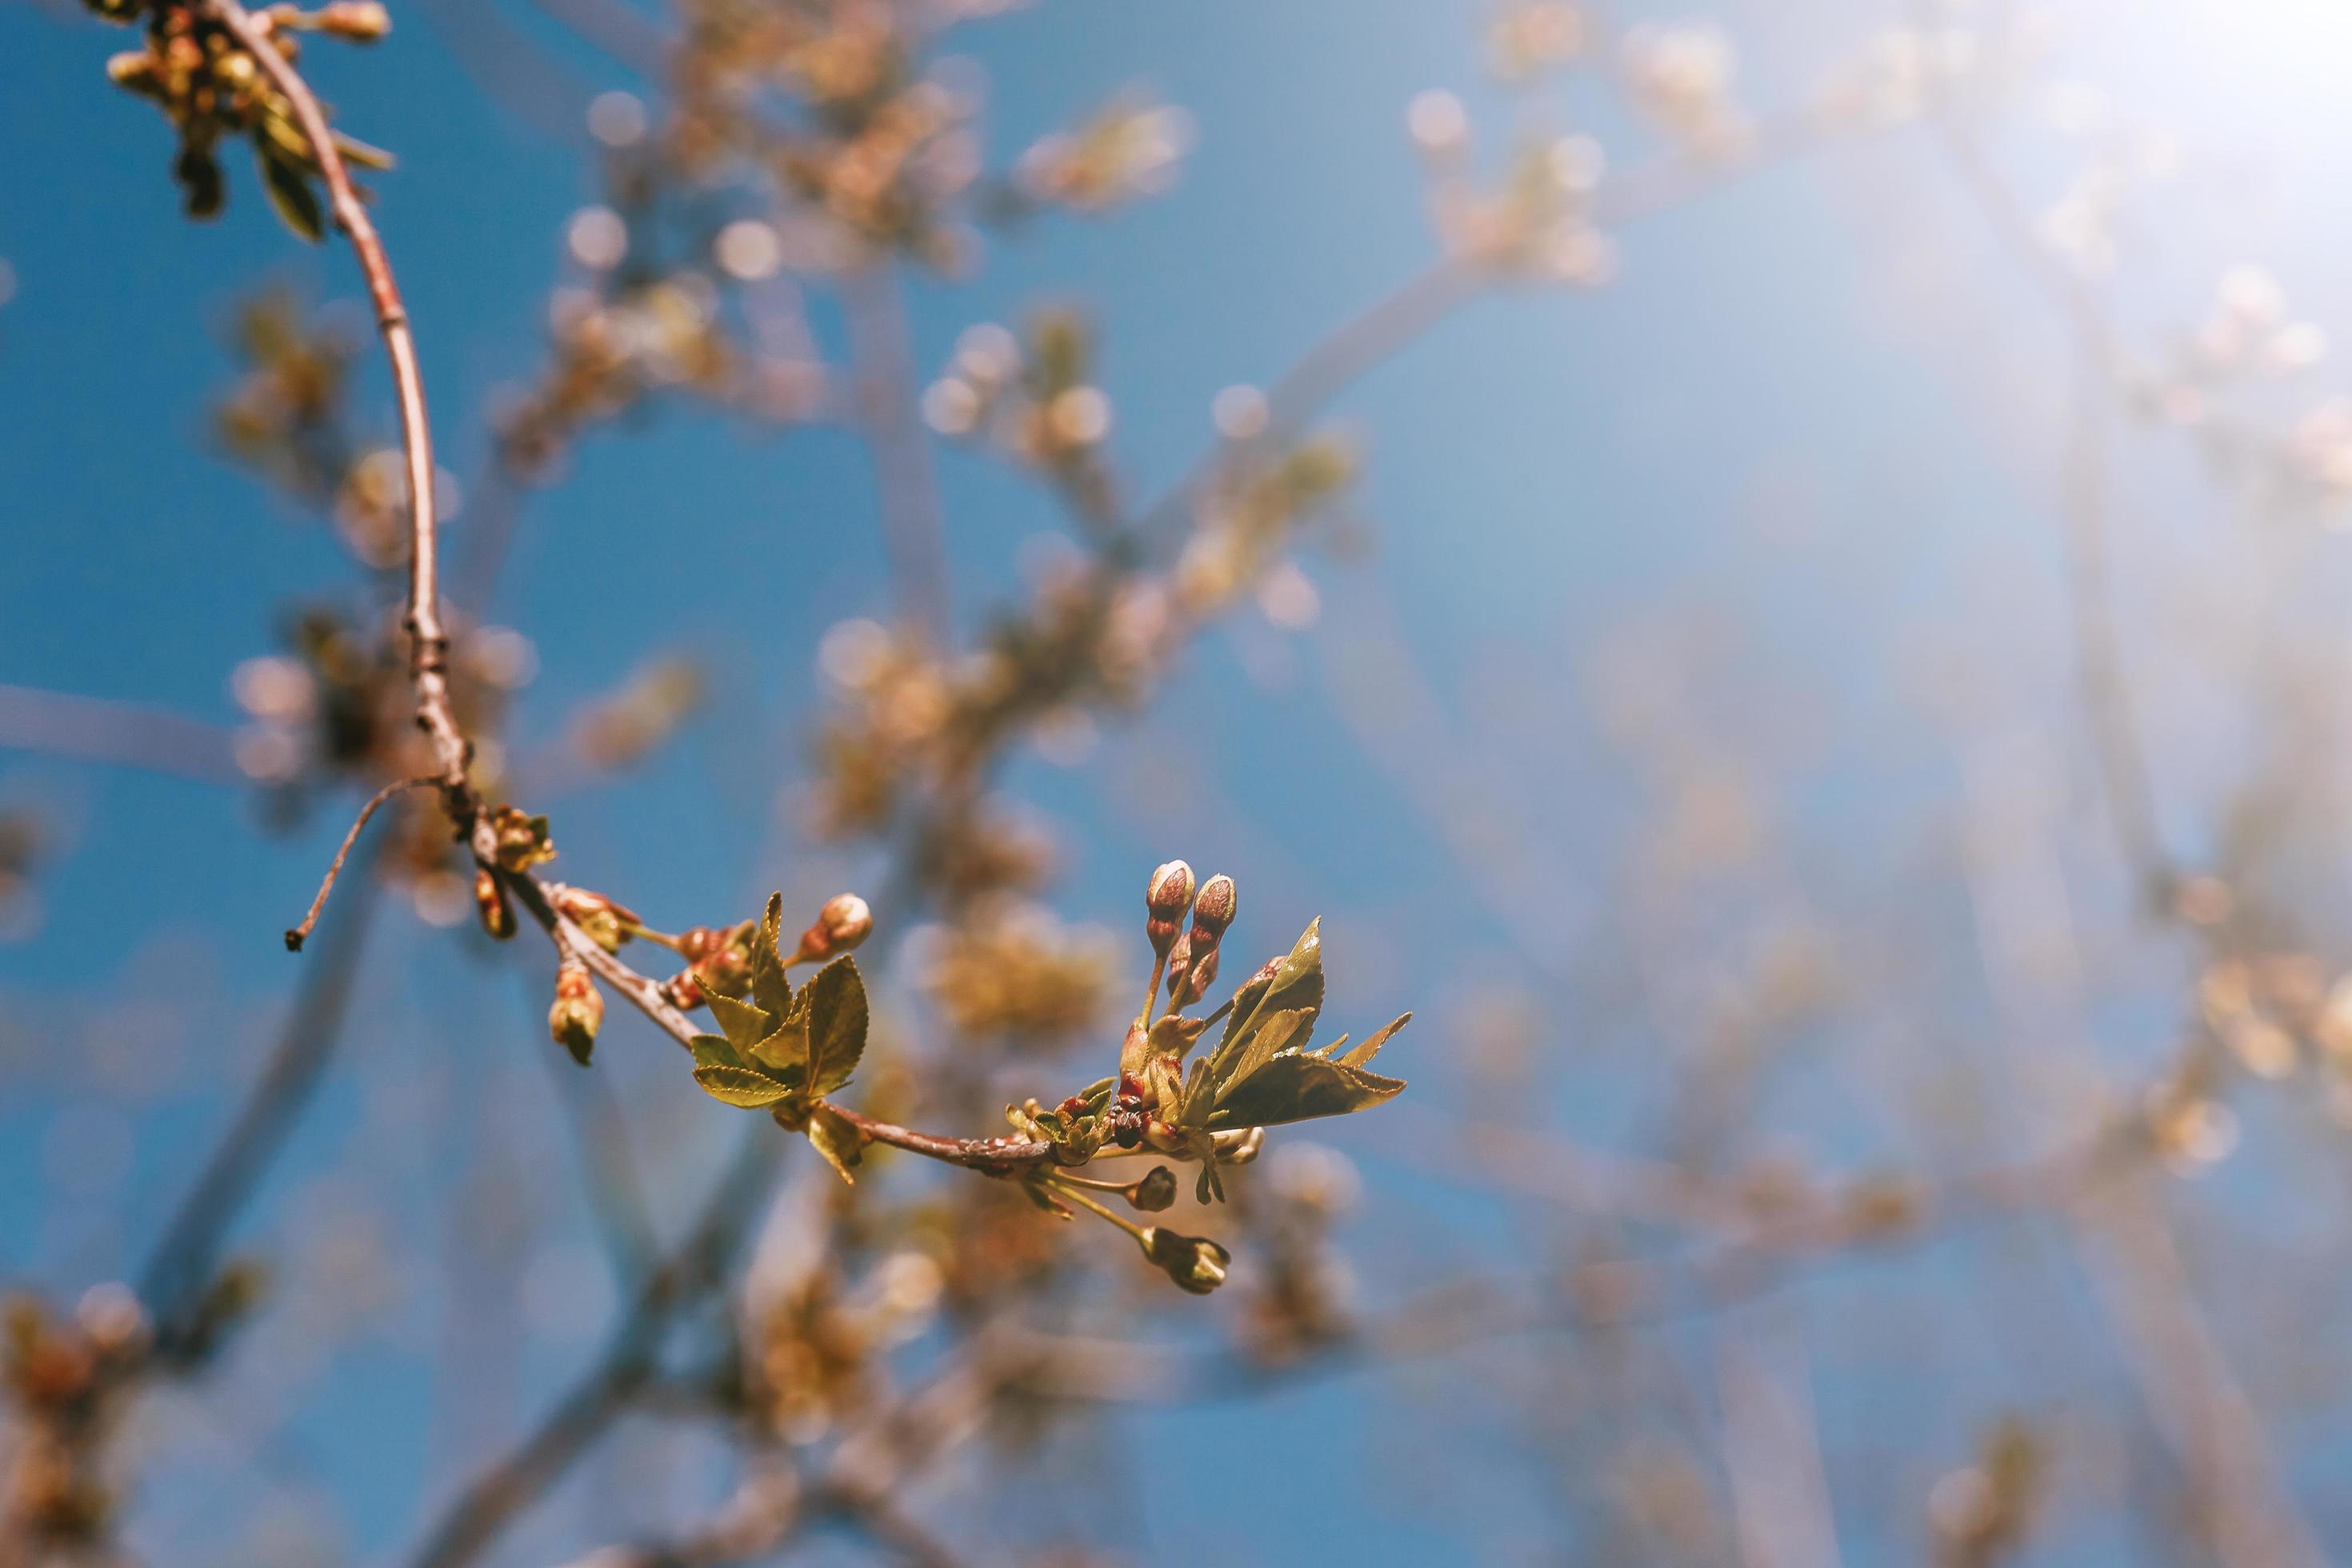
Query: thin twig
(429, 641)
(296, 935)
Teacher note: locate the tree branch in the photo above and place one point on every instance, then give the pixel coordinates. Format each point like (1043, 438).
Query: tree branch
(430, 640)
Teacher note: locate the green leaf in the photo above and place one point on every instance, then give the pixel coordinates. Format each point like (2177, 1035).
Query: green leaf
(1199, 1096)
(1295, 1087)
(1174, 1035)
(837, 1138)
(1288, 1030)
(1297, 983)
(740, 1086)
(290, 192)
(785, 1050)
(771, 988)
(745, 1025)
(835, 1005)
(710, 1051)
(1372, 1043)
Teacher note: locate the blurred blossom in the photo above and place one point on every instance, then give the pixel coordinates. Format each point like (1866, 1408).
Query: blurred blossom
(597, 238)
(1239, 413)
(616, 118)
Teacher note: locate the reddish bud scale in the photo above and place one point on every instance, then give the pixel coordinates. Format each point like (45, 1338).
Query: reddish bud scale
(1198, 979)
(578, 1012)
(1180, 965)
(490, 903)
(685, 990)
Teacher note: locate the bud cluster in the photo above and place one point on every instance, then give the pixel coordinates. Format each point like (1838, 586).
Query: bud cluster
(209, 86)
(1193, 962)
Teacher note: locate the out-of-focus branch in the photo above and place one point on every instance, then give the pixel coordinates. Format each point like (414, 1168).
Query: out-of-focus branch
(2098, 650)
(1328, 368)
(119, 734)
(501, 1493)
(905, 489)
(179, 1270)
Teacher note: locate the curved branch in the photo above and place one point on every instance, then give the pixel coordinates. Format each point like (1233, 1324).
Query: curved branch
(429, 641)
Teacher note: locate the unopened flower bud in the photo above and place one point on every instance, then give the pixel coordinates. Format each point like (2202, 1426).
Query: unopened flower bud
(490, 903)
(1166, 897)
(354, 21)
(1237, 1145)
(727, 972)
(1180, 965)
(578, 1012)
(841, 925)
(684, 990)
(1198, 979)
(1195, 1264)
(522, 838)
(1155, 1191)
(605, 923)
(1213, 912)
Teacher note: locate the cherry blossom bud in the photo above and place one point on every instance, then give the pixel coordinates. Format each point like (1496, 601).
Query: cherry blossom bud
(490, 903)
(1214, 911)
(1180, 965)
(841, 925)
(605, 923)
(684, 990)
(1155, 1191)
(1166, 897)
(578, 1012)
(1198, 978)
(1195, 1264)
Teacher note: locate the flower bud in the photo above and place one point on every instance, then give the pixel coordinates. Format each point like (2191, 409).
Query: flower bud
(1180, 965)
(605, 921)
(521, 837)
(841, 925)
(353, 21)
(1154, 1190)
(1214, 911)
(727, 972)
(1166, 897)
(1195, 1264)
(684, 990)
(1237, 1145)
(1198, 979)
(698, 942)
(490, 903)
(578, 1012)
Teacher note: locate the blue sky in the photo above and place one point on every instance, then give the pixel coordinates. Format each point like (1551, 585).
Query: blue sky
(1814, 421)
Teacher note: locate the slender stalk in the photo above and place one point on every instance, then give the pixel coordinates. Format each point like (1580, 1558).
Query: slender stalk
(428, 664)
(298, 935)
